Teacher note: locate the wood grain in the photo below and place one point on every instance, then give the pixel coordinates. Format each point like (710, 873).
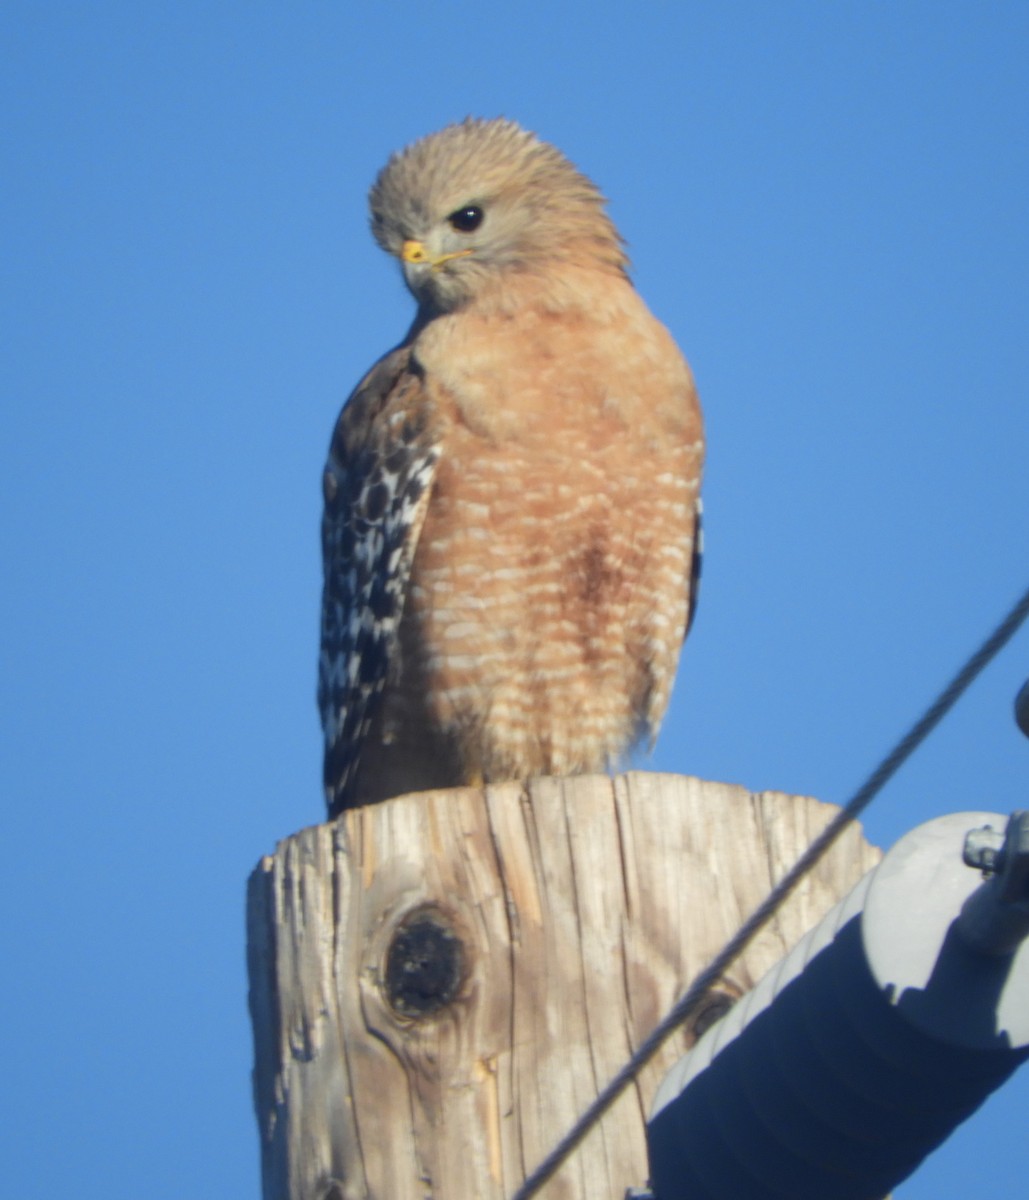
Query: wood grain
(584, 907)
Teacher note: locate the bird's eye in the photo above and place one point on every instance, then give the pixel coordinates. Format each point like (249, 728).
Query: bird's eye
(467, 219)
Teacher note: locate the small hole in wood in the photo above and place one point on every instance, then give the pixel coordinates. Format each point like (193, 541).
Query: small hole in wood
(425, 964)
(713, 1008)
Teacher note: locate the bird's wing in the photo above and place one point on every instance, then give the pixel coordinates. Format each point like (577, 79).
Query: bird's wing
(377, 483)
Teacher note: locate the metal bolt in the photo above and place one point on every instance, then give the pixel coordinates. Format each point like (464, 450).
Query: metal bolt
(982, 850)
(994, 919)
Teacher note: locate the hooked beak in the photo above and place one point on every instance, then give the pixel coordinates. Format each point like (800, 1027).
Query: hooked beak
(415, 252)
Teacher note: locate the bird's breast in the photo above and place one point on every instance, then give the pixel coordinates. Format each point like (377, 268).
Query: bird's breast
(549, 587)
(532, 373)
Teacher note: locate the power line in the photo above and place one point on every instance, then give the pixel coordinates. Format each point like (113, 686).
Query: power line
(711, 974)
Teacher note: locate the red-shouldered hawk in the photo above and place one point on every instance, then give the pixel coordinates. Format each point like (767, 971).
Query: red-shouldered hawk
(512, 495)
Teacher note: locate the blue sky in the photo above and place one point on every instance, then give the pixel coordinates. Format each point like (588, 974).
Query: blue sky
(825, 203)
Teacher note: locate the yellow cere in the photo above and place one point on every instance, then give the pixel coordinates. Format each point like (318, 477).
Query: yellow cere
(415, 252)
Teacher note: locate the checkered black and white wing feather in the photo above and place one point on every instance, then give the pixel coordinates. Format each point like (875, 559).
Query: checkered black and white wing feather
(377, 484)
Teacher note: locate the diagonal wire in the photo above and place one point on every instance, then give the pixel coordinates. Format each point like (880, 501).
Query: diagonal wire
(711, 974)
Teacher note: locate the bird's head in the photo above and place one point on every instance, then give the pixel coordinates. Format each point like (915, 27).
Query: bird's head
(468, 206)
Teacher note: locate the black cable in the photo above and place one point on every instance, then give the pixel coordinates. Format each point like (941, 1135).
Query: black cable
(711, 974)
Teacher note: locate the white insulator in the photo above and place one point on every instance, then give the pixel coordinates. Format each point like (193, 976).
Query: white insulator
(863, 1048)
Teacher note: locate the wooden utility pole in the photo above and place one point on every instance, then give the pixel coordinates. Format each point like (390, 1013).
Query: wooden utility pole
(440, 984)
